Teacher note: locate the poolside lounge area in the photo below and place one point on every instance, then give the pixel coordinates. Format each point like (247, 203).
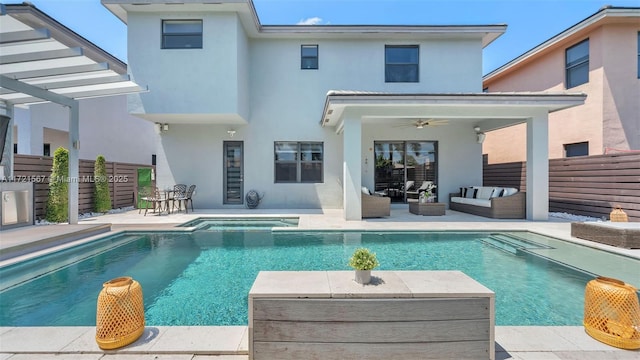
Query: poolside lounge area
(512, 342)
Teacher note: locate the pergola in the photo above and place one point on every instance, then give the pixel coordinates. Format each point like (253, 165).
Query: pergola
(42, 61)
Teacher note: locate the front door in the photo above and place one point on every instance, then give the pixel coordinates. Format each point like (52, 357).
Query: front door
(233, 173)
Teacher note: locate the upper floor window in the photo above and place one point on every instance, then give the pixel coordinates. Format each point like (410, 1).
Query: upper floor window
(577, 64)
(401, 63)
(182, 34)
(577, 149)
(298, 162)
(309, 57)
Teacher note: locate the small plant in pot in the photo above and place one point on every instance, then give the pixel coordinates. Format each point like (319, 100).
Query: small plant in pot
(363, 260)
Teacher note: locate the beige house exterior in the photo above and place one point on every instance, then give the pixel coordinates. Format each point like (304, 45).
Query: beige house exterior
(609, 121)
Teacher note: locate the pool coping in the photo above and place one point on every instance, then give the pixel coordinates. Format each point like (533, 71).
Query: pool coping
(545, 342)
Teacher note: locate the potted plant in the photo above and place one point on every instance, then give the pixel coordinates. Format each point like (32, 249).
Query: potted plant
(363, 261)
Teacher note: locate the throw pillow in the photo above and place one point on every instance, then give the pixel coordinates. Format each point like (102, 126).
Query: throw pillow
(470, 193)
(463, 191)
(366, 191)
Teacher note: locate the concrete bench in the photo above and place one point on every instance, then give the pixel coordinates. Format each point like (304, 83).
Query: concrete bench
(401, 315)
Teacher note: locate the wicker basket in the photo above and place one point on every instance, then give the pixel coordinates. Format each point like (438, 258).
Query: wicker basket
(120, 314)
(612, 313)
(618, 215)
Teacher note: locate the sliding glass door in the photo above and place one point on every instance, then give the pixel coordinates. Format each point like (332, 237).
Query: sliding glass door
(402, 167)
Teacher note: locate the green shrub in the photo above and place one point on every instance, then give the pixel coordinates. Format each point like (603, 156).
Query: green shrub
(58, 201)
(363, 259)
(101, 197)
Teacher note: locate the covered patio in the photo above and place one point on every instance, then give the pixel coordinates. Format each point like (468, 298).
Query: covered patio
(364, 117)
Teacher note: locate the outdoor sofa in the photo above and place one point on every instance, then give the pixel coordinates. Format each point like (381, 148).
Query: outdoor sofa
(489, 201)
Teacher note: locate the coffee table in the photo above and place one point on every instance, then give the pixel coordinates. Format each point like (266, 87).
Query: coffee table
(427, 209)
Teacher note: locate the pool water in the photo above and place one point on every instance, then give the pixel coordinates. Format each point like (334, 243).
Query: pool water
(204, 277)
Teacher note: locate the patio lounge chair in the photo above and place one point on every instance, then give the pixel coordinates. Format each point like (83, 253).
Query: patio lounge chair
(422, 188)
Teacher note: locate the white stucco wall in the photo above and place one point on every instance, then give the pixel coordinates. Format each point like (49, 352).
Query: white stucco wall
(283, 103)
(106, 128)
(186, 81)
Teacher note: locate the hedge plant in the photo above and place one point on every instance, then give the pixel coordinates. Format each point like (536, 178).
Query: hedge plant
(101, 197)
(58, 201)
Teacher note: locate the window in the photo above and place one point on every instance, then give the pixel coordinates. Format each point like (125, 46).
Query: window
(46, 149)
(401, 63)
(298, 162)
(182, 34)
(577, 149)
(15, 148)
(577, 64)
(309, 57)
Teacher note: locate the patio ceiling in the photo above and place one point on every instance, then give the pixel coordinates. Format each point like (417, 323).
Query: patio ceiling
(489, 110)
(40, 58)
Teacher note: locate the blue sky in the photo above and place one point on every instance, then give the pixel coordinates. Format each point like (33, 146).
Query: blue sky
(530, 22)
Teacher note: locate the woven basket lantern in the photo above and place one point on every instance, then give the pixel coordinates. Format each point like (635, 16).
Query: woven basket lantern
(612, 313)
(618, 215)
(120, 314)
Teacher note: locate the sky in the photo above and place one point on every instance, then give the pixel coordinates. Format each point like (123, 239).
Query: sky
(530, 22)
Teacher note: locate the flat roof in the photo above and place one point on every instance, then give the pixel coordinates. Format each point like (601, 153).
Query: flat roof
(255, 29)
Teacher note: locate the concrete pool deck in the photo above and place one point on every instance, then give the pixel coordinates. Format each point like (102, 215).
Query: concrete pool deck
(230, 343)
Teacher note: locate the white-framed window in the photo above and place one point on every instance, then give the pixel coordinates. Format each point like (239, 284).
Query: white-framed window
(182, 34)
(577, 64)
(401, 63)
(298, 162)
(309, 57)
(576, 149)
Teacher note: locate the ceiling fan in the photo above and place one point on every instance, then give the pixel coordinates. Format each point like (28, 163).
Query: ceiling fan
(422, 123)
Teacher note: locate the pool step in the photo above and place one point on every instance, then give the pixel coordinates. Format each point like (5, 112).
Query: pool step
(511, 243)
(500, 245)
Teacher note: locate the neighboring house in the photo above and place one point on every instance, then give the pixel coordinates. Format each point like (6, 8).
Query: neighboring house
(599, 56)
(106, 127)
(307, 115)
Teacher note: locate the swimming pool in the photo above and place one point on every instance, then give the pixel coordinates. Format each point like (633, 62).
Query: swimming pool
(203, 277)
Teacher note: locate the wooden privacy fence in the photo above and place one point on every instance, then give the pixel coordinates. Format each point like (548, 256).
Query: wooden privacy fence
(586, 185)
(122, 178)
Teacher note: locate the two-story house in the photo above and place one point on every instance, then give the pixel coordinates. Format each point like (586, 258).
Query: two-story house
(599, 56)
(307, 115)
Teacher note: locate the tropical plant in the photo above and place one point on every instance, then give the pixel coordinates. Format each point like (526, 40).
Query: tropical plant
(101, 199)
(363, 259)
(58, 200)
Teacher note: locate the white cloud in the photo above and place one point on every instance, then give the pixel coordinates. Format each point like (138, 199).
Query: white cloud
(310, 21)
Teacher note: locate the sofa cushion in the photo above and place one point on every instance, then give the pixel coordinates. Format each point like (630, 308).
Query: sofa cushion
(484, 192)
(476, 202)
